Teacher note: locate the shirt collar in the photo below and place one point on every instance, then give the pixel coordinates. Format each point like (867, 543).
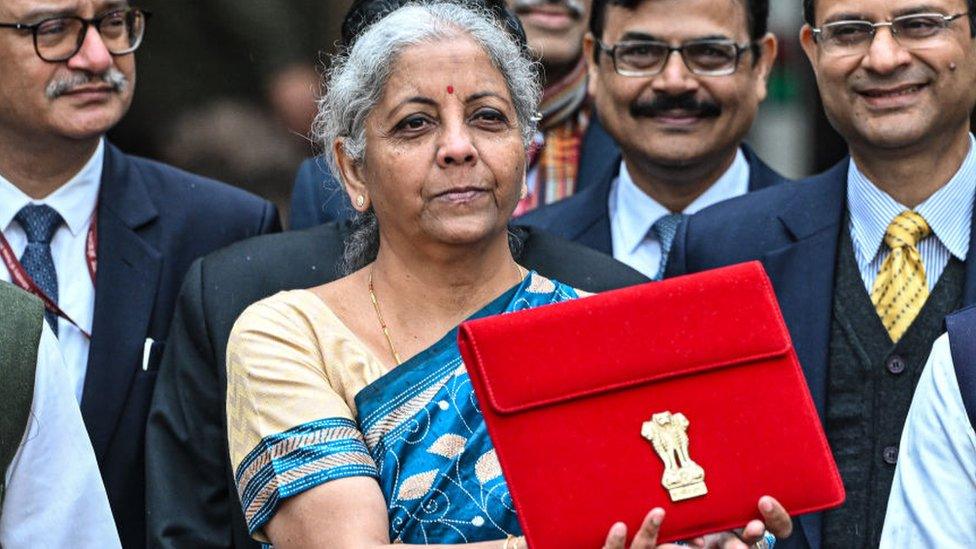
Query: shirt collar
(637, 211)
(949, 212)
(74, 201)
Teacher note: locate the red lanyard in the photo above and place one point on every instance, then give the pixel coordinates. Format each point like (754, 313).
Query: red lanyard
(20, 277)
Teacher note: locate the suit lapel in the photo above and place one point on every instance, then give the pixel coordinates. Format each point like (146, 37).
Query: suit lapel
(803, 277)
(125, 289)
(590, 211)
(760, 174)
(599, 154)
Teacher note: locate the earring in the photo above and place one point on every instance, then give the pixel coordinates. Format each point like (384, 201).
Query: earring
(360, 200)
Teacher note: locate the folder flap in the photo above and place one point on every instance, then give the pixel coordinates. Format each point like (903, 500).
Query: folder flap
(636, 335)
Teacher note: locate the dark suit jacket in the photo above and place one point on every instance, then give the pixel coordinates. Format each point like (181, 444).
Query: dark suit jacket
(153, 221)
(192, 496)
(585, 216)
(318, 197)
(794, 230)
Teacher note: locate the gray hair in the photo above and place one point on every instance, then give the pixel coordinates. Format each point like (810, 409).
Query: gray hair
(358, 76)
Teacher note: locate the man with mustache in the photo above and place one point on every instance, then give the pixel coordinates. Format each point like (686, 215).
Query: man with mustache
(570, 150)
(677, 84)
(869, 257)
(103, 238)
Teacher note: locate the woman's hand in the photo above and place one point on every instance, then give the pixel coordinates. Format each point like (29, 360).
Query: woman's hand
(775, 519)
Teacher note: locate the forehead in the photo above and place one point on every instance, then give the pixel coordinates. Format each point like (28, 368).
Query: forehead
(882, 9)
(428, 68)
(678, 19)
(20, 10)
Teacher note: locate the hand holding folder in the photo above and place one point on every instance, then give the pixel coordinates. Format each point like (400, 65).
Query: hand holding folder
(684, 394)
(776, 522)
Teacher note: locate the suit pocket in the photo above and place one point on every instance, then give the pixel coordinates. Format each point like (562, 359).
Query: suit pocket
(152, 355)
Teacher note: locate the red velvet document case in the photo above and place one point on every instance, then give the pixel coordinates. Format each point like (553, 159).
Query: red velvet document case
(586, 401)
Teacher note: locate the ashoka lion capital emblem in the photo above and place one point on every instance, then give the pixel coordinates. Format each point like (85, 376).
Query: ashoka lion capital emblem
(683, 478)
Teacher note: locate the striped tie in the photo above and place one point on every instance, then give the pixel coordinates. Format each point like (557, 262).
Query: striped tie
(901, 289)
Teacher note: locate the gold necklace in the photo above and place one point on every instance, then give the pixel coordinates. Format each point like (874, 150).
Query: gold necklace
(379, 316)
(520, 272)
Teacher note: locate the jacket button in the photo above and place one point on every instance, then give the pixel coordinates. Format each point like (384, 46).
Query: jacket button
(895, 364)
(890, 455)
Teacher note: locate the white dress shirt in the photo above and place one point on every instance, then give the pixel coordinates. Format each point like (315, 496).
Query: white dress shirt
(633, 212)
(933, 498)
(75, 201)
(55, 496)
(949, 213)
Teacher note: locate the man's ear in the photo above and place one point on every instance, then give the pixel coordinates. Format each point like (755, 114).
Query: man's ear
(768, 49)
(592, 68)
(351, 173)
(809, 43)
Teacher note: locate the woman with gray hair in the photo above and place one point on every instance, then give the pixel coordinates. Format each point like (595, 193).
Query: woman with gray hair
(351, 418)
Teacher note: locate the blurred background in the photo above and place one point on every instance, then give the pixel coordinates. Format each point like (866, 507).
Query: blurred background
(791, 133)
(226, 89)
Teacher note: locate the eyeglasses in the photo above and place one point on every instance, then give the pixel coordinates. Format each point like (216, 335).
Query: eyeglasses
(649, 57)
(917, 30)
(59, 38)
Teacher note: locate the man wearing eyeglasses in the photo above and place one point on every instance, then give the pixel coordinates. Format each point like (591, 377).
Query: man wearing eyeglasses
(678, 87)
(104, 239)
(869, 257)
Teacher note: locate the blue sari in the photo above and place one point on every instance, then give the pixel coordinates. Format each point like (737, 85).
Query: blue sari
(435, 461)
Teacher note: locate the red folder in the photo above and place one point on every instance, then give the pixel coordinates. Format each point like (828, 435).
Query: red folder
(569, 392)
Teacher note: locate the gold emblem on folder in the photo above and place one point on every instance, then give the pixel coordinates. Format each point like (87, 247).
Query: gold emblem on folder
(683, 478)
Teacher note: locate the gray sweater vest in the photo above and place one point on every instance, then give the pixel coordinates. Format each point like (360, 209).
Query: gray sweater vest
(21, 319)
(869, 389)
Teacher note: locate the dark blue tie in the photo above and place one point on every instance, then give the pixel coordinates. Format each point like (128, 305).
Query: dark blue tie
(665, 229)
(40, 222)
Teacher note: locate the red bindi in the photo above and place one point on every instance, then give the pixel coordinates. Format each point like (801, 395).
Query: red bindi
(450, 89)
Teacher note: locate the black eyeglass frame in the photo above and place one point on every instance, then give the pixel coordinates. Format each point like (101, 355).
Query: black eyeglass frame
(739, 50)
(85, 23)
(946, 19)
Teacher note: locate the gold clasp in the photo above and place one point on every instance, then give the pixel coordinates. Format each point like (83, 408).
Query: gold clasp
(683, 478)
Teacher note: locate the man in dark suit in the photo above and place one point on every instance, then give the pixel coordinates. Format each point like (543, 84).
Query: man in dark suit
(105, 238)
(678, 87)
(571, 148)
(867, 258)
(192, 496)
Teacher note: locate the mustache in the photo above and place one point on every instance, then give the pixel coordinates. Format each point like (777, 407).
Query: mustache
(575, 7)
(64, 84)
(664, 103)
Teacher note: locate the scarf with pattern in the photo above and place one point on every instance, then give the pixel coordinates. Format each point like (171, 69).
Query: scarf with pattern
(555, 150)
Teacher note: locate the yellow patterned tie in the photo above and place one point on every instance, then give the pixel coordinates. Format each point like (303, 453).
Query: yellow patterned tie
(900, 290)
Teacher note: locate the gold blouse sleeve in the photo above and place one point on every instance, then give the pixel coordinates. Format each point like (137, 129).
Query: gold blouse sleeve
(290, 423)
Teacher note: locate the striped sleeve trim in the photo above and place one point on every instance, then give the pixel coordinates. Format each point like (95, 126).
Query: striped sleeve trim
(301, 458)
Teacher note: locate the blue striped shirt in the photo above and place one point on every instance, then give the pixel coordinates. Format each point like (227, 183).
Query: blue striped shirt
(949, 212)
